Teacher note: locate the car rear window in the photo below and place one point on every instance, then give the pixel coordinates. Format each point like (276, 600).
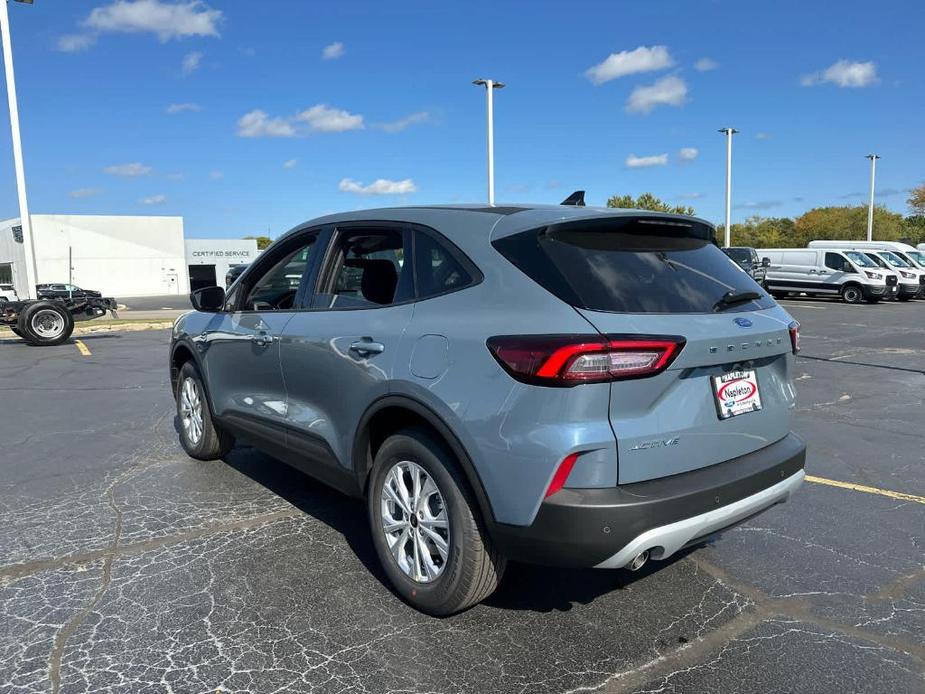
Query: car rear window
(631, 265)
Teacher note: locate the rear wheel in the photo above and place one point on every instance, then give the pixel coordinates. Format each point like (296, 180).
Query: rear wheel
(45, 323)
(199, 436)
(426, 526)
(851, 294)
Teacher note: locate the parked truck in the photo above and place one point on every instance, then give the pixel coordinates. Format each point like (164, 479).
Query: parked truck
(47, 322)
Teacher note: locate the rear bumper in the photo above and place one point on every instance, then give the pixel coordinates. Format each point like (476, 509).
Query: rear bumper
(606, 528)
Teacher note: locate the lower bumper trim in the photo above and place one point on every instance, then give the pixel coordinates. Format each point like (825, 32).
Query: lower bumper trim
(665, 540)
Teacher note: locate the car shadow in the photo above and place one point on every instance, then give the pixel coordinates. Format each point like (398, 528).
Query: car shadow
(524, 587)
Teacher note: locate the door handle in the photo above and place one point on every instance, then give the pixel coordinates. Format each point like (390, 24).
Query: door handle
(262, 339)
(367, 347)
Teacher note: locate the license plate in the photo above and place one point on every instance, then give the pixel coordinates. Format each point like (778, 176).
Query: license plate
(736, 393)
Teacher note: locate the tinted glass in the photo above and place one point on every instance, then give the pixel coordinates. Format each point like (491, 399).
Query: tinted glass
(631, 265)
(834, 261)
(877, 259)
(278, 287)
(741, 255)
(437, 269)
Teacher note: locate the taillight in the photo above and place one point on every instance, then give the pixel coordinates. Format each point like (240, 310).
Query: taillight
(567, 360)
(562, 473)
(794, 328)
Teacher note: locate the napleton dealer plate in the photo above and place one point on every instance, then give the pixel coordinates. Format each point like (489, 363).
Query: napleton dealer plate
(736, 393)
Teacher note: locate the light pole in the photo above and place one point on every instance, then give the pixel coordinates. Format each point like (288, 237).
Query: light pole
(729, 133)
(25, 219)
(490, 86)
(870, 210)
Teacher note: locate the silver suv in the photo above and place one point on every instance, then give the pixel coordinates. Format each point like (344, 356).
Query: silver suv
(567, 386)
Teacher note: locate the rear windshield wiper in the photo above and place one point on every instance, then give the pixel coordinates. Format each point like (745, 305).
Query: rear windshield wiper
(732, 298)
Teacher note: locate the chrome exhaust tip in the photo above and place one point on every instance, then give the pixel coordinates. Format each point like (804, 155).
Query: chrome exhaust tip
(638, 561)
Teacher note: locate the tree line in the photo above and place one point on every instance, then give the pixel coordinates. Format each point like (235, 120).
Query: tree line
(835, 222)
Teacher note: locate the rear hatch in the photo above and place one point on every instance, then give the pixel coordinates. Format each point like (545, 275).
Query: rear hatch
(659, 276)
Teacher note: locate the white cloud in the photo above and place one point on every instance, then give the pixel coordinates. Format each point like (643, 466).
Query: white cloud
(762, 136)
(691, 196)
(176, 176)
(688, 153)
(642, 59)
(74, 43)
(154, 200)
(669, 90)
(332, 51)
(180, 108)
(381, 186)
(85, 192)
(317, 119)
(324, 119)
(290, 163)
(705, 65)
(191, 62)
(216, 175)
(165, 20)
(844, 73)
(634, 162)
(402, 123)
(128, 170)
(258, 124)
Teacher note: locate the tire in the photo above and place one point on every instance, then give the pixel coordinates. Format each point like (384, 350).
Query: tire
(852, 294)
(199, 436)
(472, 567)
(779, 295)
(45, 324)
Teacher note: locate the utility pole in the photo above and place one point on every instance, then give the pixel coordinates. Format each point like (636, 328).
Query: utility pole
(25, 219)
(729, 133)
(490, 86)
(870, 209)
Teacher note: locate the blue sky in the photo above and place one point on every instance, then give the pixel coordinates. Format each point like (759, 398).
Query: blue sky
(291, 109)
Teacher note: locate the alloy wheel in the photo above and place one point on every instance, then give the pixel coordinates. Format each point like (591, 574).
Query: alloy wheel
(191, 410)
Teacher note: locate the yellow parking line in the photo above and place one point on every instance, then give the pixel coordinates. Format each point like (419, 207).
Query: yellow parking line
(867, 490)
(82, 348)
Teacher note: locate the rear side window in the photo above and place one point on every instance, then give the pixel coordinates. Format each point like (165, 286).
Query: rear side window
(437, 269)
(631, 265)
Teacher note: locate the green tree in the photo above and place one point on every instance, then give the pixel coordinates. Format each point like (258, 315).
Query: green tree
(914, 229)
(763, 232)
(849, 223)
(262, 241)
(647, 201)
(916, 200)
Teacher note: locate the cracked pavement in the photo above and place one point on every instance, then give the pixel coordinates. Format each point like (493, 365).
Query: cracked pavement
(127, 567)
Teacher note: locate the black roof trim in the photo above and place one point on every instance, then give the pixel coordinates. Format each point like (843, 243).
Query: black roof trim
(502, 211)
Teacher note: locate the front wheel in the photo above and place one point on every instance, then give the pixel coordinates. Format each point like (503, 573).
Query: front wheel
(851, 294)
(199, 436)
(426, 526)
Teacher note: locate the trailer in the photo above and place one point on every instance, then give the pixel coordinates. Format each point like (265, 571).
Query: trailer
(46, 322)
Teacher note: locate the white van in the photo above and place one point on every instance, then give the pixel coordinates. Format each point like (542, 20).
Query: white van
(912, 255)
(827, 272)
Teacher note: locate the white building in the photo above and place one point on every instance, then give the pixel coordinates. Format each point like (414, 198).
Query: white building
(118, 255)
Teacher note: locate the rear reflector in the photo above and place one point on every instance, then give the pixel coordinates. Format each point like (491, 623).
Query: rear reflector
(565, 469)
(567, 360)
(794, 328)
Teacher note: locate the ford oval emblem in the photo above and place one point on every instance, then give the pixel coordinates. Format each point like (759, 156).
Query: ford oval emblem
(743, 322)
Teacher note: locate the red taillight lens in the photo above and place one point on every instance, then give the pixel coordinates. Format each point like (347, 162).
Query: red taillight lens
(794, 328)
(562, 473)
(565, 360)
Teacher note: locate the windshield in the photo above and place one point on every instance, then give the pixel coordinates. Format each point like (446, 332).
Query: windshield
(631, 265)
(917, 256)
(860, 259)
(893, 259)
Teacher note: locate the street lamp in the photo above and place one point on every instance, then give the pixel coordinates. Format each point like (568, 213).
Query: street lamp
(25, 219)
(729, 133)
(490, 86)
(870, 210)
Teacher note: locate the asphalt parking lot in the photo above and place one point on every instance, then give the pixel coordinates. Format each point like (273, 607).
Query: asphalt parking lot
(127, 567)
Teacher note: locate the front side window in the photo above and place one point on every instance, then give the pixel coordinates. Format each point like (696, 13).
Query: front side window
(368, 270)
(276, 290)
(836, 261)
(631, 265)
(877, 259)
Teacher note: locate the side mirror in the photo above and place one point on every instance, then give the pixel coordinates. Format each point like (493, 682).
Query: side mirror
(208, 299)
(765, 262)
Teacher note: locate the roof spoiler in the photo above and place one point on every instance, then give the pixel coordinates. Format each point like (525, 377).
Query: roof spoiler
(577, 199)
